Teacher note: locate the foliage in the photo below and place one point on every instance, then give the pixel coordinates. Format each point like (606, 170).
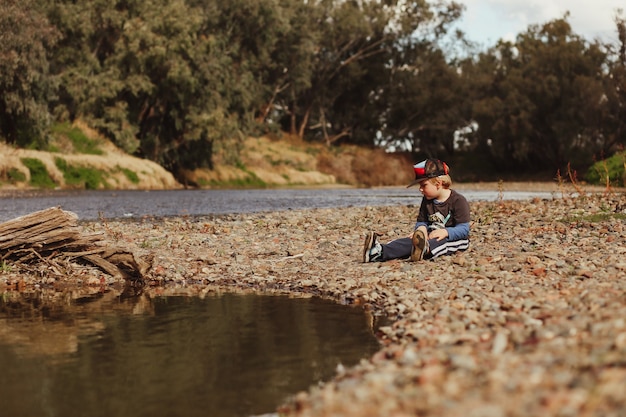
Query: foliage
(13, 175)
(39, 176)
(610, 171)
(183, 82)
(149, 83)
(130, 175)
(82, 177)
(534, 107)
(80, 142)
(26, 85)
(611, 118)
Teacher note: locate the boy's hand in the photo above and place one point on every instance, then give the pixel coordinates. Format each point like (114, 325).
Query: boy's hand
(438, 234)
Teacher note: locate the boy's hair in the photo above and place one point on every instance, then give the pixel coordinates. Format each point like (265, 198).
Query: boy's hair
(445, 180)
(429, 168)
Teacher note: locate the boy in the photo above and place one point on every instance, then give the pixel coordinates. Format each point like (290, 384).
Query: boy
(443, 222)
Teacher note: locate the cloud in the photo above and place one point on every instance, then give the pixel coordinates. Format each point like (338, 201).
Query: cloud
(486, 21)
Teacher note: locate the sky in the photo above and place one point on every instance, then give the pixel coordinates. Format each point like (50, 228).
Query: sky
(487, 21)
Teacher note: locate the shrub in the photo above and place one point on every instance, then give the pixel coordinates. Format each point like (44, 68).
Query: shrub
(13, 175)
(130, 175)
(80, 142)
(609, 171)
(39, 176)
(83, 177)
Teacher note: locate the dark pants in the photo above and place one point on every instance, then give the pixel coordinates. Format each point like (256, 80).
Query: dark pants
(401, 248)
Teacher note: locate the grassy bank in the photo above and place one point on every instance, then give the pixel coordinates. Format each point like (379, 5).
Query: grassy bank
(77, 158)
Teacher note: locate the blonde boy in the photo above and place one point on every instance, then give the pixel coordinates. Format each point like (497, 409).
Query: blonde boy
(443, 221)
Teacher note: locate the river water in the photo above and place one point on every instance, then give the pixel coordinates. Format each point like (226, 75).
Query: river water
(221, 356)
(91, 205)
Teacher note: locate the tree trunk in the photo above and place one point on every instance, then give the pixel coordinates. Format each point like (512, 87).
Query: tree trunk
(52, 237)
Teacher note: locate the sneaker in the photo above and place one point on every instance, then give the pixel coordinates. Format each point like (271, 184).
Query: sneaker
(420, 246)
(372, 250)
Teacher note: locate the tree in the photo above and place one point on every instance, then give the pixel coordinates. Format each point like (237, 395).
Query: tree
(535, 98)
(180, 81)
(151, 75)
(340, 42)
(427, 105)
(611, 119)
(25, 82)
(360, 47)
(426, 102)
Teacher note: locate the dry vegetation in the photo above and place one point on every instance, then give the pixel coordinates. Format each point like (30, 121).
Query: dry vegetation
(264, 162)
(289, 161)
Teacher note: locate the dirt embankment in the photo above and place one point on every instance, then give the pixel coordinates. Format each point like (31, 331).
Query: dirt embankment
(265, 162)
(290, 161)
(23, 168)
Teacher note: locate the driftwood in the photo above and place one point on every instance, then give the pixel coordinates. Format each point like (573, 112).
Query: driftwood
(53, 237)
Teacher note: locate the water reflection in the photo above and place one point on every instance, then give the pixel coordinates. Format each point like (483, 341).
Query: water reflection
(229, 355)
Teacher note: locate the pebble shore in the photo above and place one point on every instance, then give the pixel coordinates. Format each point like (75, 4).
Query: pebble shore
(530, 321)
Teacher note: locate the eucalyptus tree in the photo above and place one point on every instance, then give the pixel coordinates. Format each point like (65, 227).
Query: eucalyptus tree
(535, 97)
(180, 81)
(90, 32)
(357, 46)
(26, 85)
(347, 65)
(270, 44)
(427, 104)
(149, 75)
(414, 100)
(611, 120)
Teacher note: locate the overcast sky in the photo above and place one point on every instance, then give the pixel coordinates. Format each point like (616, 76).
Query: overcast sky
(486, 21)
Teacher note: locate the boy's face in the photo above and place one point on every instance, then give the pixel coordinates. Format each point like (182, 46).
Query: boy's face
(429, 189)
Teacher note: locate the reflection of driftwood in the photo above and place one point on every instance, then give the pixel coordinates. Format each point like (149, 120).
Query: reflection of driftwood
(52, 236)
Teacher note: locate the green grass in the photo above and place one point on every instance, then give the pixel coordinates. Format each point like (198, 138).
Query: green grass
(14, 175)
(612, 168)
(130, 175)
(83, 177)
(247, 182)
(80, 141)
(595, 218)
(251, 181)
(5, 267)
(39, 176)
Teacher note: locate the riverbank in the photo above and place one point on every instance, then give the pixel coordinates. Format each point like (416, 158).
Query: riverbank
(263, 162)
(530, 321)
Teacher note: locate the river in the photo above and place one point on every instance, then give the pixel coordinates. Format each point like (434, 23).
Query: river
(91, 205)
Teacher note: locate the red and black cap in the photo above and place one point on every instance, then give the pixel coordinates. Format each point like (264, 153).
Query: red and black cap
(429, 168)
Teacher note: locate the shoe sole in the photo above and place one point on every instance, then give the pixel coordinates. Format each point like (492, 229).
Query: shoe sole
(369, 241)
(419, 244)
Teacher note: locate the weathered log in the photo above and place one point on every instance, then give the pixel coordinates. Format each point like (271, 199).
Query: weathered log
(53, 234)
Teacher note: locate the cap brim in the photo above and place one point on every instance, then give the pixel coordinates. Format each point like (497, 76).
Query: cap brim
(415, 182)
